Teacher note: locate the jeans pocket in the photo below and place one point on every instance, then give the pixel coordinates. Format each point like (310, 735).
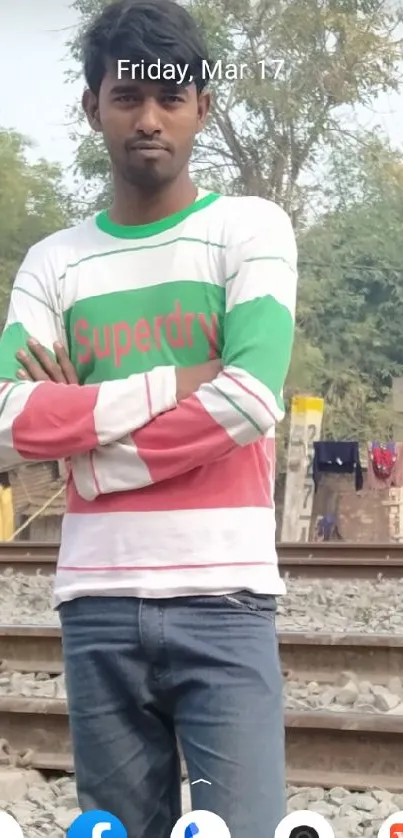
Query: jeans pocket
(264, 604)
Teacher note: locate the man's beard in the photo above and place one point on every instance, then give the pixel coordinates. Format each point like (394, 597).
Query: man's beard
(145, 177)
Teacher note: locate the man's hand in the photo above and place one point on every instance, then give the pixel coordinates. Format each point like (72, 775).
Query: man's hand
(61, 371)
(189, 379)
(44, 368)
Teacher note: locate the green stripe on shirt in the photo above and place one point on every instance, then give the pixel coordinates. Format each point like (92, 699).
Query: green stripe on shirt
(14, 337)
(237, 408)
(258, 338)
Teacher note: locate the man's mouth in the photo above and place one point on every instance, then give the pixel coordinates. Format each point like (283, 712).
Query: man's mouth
(149, 148)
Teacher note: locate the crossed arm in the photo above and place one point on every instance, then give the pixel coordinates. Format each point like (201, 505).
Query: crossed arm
(124, 435)
(46, 415)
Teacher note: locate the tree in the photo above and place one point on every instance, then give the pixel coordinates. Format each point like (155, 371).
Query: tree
(33, 204)
(269, 128)
(351, 291)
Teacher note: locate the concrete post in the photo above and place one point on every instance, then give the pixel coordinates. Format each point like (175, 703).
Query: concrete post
(305, 429)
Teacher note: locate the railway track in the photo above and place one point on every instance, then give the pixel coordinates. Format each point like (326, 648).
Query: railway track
(323, 749)
(305, 656)
(307, 560)
(353, 750)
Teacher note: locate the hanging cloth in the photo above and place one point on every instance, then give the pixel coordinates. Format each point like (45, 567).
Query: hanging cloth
(337, 458)
(385, 465)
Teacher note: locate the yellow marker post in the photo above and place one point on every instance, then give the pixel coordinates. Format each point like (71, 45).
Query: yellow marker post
(305, 429)
(6, 513)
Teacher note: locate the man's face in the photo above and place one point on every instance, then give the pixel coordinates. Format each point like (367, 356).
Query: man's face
(148, 127)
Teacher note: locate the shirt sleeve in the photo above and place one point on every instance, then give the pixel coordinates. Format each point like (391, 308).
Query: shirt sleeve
(49, 421)
(245, 401)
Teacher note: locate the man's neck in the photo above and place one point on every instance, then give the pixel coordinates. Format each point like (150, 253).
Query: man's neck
(133, 207)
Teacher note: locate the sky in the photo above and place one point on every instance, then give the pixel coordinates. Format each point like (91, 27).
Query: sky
(35, 98)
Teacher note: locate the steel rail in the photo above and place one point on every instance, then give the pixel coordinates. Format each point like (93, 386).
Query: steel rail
(308, 560)
(327, 749)
(305, 656)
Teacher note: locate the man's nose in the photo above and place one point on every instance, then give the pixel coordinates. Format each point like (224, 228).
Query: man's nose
(148, 119)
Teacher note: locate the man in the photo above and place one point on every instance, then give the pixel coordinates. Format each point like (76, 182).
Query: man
(166, 328)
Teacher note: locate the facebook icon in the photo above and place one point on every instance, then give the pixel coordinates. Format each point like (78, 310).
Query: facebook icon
(97, 824)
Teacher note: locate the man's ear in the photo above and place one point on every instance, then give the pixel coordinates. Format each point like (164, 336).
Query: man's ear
(203, 109)
(90, 105)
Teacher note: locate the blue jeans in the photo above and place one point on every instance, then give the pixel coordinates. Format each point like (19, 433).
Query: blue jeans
(203, 669)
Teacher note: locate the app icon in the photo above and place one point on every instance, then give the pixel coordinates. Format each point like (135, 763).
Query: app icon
(200, 824)
(9, 827)
(96, 824)
(304, 824)
(392, 827)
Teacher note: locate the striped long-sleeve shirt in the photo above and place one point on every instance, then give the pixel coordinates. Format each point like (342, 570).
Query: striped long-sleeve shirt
(163, 499)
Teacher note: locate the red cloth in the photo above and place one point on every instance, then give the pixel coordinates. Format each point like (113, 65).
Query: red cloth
(396, 476)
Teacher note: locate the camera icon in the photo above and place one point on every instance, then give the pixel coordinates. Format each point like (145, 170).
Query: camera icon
(304, 824)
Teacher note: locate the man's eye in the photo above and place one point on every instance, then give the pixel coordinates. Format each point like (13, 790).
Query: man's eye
(172, 97)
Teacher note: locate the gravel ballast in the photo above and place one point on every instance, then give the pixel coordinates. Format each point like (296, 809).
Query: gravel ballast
(317, 605)
(349, 693)
(341, 605)
(45, 809)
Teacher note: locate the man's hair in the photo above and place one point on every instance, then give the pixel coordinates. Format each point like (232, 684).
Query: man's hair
(143, 30)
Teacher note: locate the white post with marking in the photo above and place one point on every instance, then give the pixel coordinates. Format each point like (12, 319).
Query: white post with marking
(305, 429)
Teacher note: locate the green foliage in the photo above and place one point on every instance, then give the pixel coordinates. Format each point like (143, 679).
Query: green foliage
(264, 133)
(351, 292)
(33, 204)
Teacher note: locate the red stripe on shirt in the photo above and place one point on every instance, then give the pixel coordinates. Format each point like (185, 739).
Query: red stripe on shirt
(94, 474)
(54, 425)
(4, 386)
(181, 439)
(148, 391)
(249, 392)
(138, 568)
(243, 478)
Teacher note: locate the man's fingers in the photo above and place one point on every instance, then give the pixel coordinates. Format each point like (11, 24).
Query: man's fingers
(65, 364)
(48, 365)
(41, 367)
(32, 370)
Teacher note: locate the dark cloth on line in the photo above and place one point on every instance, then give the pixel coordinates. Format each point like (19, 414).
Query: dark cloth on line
(337, 458)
